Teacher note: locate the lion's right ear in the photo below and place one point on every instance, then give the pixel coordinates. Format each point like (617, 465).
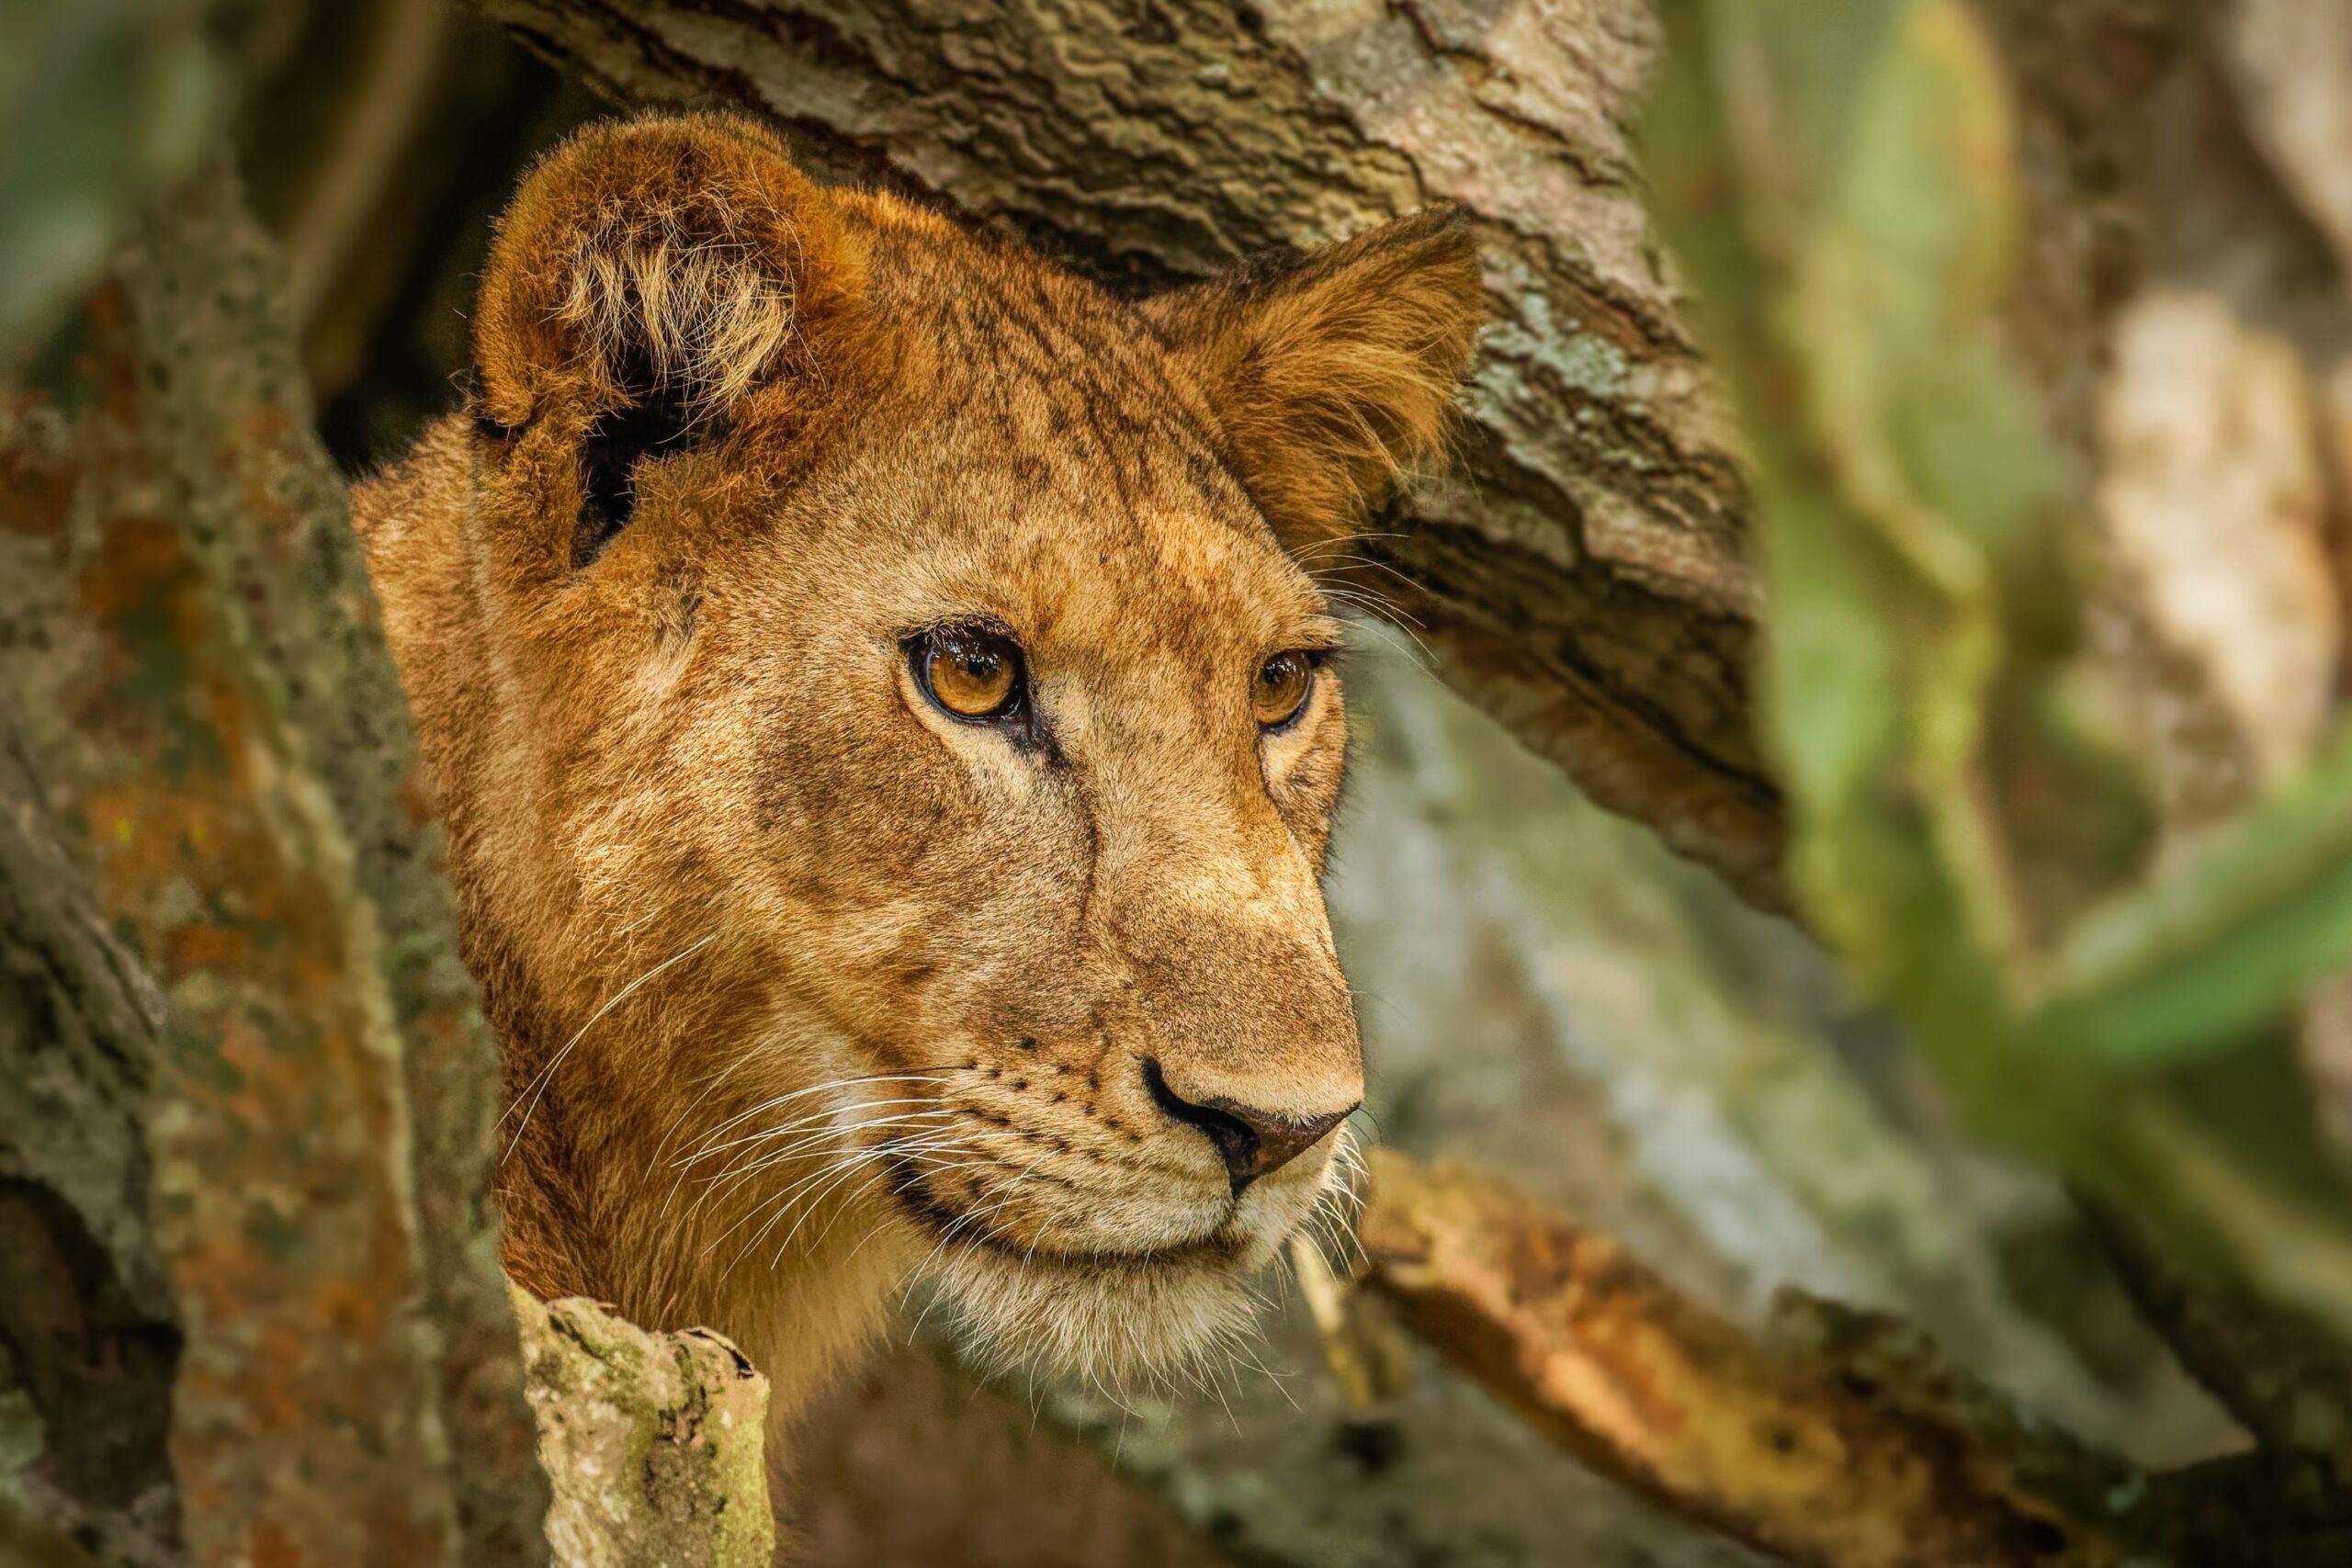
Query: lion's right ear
(653, 281)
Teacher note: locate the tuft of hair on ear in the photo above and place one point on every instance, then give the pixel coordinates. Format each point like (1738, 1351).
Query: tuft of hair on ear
(656, 282)
(1333, 372)
(679, 260)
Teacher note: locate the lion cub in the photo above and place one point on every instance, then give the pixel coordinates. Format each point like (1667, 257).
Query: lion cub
(888, 740)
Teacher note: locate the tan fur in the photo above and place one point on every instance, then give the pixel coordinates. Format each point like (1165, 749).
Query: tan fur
(753, 919)
(1333, 374)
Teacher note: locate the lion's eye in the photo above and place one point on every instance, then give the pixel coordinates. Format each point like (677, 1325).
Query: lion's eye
(1281, 687)
(972, 673)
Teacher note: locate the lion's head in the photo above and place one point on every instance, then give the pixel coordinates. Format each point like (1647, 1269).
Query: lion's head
(890, 732)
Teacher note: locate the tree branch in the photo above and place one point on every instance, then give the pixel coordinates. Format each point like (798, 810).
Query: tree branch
(1845, 1443)
(1797, 1456)
(206, 700)
(227, 418)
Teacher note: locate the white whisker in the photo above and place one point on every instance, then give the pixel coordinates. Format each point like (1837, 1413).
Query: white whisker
(539, 1084)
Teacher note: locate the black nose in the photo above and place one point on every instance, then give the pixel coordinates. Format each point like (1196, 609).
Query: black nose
(1250, 1141)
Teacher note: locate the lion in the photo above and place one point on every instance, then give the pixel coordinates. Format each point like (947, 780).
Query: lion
(889, 728)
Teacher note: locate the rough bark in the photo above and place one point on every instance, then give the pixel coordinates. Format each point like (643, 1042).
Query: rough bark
(268, 513)
(1583, 580)
(88, 1337)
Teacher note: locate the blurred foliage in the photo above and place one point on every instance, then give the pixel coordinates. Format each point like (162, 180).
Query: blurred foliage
(1842, 183)
(100, 102)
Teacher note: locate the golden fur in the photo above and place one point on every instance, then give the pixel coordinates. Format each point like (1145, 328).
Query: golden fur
(802, 983)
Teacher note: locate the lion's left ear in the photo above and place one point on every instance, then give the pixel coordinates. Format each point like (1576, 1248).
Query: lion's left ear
(1334, 372)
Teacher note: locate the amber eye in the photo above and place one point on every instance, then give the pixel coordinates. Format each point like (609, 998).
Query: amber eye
(1281, 688)
(971, 673)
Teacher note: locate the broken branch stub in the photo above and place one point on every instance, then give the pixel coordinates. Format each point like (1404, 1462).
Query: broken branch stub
(653, 1441)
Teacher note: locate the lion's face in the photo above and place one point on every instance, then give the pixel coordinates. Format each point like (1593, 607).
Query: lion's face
(932, 735)
(1015, 757)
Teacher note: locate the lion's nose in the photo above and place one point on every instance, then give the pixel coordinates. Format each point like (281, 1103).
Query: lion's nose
(1251, 1141)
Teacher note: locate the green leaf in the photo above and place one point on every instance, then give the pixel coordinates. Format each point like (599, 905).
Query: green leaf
(2213, 949)
(1839, 183)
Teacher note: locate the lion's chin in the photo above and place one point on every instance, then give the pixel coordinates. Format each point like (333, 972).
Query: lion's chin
(1134, 1321)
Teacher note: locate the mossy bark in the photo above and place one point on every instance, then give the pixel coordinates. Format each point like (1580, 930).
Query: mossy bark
(652, 1440)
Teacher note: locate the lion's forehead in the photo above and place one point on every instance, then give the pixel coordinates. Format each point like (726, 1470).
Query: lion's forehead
(1130, 555)
(1027, 374)
(1042, 458)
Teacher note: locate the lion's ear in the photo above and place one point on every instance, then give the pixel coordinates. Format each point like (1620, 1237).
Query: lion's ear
(1334, 372)
(653, 280)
